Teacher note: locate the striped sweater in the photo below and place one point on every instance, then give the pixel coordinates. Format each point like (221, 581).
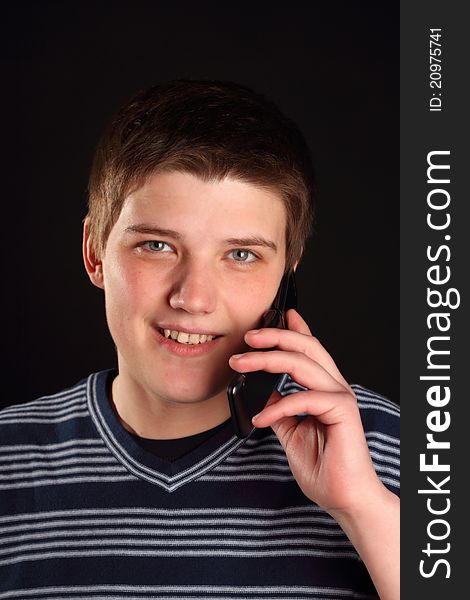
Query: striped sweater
(85, 512)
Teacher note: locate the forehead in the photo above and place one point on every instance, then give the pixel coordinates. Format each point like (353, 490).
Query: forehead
(184, 201)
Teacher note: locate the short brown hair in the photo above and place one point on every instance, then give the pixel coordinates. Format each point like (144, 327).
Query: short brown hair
(211, 129)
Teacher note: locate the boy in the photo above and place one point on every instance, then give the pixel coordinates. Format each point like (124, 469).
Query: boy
(131, 483)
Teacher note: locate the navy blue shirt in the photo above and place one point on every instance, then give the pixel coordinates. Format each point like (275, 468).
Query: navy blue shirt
(87, 511)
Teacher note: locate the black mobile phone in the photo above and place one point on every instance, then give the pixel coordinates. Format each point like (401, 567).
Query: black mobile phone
(248, 393)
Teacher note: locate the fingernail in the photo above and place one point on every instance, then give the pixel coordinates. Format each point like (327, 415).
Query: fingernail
(253, 331)
(255, 418)
(236, 355)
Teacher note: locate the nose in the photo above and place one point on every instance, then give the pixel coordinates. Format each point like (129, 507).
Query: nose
(194, 290)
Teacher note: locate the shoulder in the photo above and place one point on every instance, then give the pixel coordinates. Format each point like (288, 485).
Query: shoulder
(377, 411)
(381, 421)
(43, 417)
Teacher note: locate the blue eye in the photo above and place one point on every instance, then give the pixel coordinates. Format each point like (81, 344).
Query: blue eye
(157, 246)
(245, 256)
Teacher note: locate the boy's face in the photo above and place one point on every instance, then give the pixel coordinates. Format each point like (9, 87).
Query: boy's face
(193, 257)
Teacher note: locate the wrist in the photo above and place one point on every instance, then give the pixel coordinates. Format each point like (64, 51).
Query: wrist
(373, 503)
(373, 527)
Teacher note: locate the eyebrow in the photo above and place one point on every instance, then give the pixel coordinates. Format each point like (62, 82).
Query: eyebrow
(153, 231)
(253, 240)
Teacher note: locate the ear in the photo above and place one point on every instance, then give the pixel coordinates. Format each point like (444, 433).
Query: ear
(93, 265)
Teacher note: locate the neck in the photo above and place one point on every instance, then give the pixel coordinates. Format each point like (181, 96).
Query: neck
(149, 416)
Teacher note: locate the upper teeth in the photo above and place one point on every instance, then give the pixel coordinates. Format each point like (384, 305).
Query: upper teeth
(188, 338)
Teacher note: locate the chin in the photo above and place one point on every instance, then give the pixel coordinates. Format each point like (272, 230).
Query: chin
(193, 385)
(193, 390)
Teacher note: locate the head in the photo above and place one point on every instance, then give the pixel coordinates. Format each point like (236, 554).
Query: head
(212, 130)
(200, 200)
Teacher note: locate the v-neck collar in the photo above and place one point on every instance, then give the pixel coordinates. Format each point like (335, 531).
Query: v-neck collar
(145, 465)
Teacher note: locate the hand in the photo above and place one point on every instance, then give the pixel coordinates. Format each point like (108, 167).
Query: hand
(327, 450)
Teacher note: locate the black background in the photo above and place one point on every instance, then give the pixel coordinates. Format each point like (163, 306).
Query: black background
(67, 66)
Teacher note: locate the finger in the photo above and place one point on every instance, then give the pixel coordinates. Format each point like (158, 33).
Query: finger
(274, 397)
(295, 322)
(329, 408)
(293, 341)
(300, 367)
(287, 423)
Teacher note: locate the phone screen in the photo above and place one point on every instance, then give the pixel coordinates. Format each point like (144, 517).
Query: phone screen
(248, 393)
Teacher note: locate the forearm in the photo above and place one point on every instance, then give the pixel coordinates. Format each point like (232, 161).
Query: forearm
(374, 530)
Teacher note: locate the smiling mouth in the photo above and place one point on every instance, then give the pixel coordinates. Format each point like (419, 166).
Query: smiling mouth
(187, 338)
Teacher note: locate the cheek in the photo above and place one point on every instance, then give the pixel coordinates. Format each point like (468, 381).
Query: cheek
(124, 290)
(249, 302)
